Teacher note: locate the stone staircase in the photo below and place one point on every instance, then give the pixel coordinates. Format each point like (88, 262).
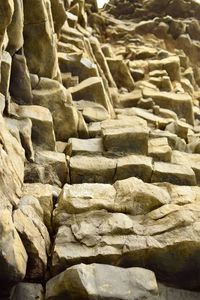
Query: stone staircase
(100, 153)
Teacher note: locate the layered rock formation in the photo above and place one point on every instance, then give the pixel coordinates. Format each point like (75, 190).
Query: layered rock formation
(99, 150)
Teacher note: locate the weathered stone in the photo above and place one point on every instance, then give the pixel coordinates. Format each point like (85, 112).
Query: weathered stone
(6, 62)
(41, 55)
(121, 73)
(102, 282)
(189, 160)
(49, 168)
(92, 169)
(13, 255)
(44, 193)
(90, 146)
(127, 135)
(28, 220)
(42, 129)
(173, 173)
(92, 89)
(130, 99)
(28, 291)
(180, 103)
(134, 166)
(159, 149)
(20, 84)
(24, 129)
(52, 95)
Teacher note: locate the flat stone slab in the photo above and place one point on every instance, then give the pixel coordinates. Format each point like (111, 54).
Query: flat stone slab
(134, 166)
(173, 173)
(92, 169)
(87, 146)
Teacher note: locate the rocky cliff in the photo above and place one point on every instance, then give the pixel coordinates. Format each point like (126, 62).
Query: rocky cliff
(99, 150)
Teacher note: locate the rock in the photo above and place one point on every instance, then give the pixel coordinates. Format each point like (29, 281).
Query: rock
(92, 169)
(179, 103)
(189, 160)
(102, 282)
(121, 73)
(12, 166)
(92, 89)
(38, 23)
(49, 168)
(15, 28)
(44, 194)
(121, 136)
(134, 166)
(13, 255)
(130, 99)
(59, 14)
(90, 146)
(20, 84)
(2, 103)
(170, 64)
(173, 173)
(159, 149)
(170, 293)
(42, 130)
(29, 291)
(6, 62)
(92, 112)
(52, 95)
(23, 127)
(34, 235)
(135, 197)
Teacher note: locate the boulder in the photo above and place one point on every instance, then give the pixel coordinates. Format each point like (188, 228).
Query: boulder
(102, 282)
(159, 149)
(86, 146)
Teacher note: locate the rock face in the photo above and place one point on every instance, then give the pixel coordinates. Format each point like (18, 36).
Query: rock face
(99, 150)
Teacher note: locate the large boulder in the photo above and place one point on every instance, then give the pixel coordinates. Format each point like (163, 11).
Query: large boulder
(102, 282)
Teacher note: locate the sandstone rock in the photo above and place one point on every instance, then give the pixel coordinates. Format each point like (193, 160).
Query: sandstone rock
(92, 112)
(2, 103)
(92, 169)
(170, 64)
(42, 130)
(134, 166)
(6, 61)
(44, 194)
(29, 291)
(129, 135)
(159, 149)
(173, 173)
(13, 255)
(38, 23)
(92, 89)
(20, 84)
(121, 73)
(15, 28)
(189, 160)
(130, 99)
(53, 96)
(12, 165)
(90, 146)
(179, 103)
(49, 168)
(34, 236)
(24, 130)
(102, 282)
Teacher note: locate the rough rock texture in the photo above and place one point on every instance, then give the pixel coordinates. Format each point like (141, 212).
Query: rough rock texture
(99, 150)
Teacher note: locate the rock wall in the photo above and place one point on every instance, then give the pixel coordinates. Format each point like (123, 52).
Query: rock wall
(99, 150)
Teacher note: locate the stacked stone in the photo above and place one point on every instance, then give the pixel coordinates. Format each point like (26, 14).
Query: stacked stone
(99, 150)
